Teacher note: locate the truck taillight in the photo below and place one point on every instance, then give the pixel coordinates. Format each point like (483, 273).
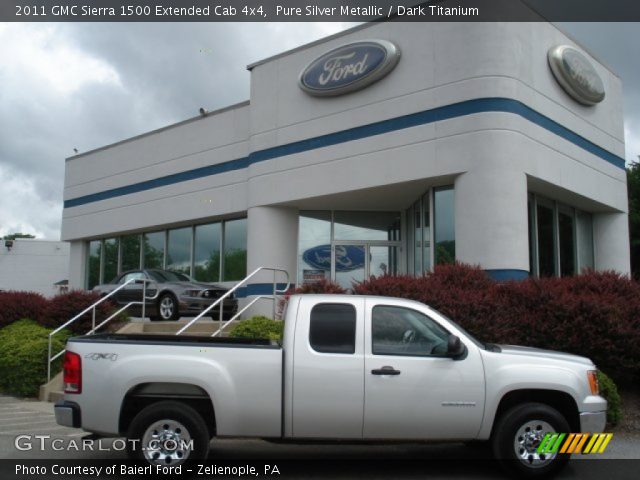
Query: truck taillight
(72, 376)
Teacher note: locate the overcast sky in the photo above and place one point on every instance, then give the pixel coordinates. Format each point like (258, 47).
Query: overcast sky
(82, 85)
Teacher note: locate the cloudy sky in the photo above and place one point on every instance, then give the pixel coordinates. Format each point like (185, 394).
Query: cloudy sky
(80, 85)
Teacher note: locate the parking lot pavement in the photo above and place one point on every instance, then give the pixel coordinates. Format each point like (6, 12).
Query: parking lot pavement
(28, 417)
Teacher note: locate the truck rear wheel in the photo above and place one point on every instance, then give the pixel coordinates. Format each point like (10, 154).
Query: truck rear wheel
(518, 434)
(168, 433)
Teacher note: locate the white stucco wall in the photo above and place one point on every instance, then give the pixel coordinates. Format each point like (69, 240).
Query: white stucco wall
(492, 157)
(33, 265)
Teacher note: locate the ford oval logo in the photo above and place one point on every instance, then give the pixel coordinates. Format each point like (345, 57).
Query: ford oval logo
(349, 68)
(575, 73)
(348, 257)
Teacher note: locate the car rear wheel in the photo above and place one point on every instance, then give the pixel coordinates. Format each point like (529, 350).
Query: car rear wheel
(518, 434)
(168, 433)
(168, 307)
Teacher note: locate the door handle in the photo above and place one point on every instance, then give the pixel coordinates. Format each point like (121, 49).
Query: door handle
(385, 371)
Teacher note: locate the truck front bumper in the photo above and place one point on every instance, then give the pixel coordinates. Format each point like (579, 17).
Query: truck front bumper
(67, 414)
(593, 422)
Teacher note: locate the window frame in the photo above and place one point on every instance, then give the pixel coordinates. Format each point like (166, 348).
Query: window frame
(407, 354)
(355, 328)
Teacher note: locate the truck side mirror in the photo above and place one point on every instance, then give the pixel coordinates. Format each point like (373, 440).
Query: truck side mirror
(455, 348)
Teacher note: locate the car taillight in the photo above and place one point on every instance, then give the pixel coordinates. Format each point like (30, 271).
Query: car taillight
(72, 376)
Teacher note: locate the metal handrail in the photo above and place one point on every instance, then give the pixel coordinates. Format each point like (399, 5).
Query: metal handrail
(236, 287)
(93, 306)
(244, 309)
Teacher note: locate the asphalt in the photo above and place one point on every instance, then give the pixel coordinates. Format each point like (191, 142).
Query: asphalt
(22, 419)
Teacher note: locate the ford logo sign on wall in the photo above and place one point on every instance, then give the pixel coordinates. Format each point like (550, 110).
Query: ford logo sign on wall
(575, 73)
(348, 257)
(349, 68)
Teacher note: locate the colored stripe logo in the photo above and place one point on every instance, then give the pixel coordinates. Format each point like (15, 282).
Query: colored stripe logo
(574, 443)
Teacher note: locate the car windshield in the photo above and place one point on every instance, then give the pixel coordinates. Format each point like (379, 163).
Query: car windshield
(167, 276)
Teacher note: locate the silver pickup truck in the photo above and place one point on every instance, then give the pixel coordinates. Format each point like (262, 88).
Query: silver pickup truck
(349, 367)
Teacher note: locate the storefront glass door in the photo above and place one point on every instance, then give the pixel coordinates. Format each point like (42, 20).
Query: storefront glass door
(355, 262)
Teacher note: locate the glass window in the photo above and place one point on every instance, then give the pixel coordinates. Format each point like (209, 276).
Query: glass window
(235, 249)
(444, 228)
(93, 263)
(383, 260)
(426, 236)
(332, 328)
(314, 246)
(366, 225)
(179, 250)
(402, 331)
(110, 259)
(418, 232)
(567, 244)
(131, 276)
(154, 250)
(584, 239)
(546, 248)
(130, 246)
(206, 255)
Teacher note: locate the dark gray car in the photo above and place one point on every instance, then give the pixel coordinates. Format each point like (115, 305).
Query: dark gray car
(178, 294)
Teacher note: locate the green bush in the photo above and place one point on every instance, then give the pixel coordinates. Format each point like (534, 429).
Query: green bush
(609, 391)
(258, 327)
(23, 357)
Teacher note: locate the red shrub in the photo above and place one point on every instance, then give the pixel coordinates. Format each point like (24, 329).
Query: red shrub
(65, 306)
(321, 286)
(17, 305)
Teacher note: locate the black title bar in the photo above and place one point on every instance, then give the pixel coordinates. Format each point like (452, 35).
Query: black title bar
(318, 10)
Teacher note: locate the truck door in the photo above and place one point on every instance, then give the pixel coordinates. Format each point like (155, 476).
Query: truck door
(412, 390)
(328, 366)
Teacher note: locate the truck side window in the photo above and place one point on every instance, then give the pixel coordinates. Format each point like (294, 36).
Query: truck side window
(403, 331)
(333, 328)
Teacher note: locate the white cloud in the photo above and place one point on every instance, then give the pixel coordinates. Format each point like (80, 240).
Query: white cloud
(22, 210)
(40, 54)
(632, 140)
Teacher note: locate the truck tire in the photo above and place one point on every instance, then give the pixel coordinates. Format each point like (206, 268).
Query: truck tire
(518, 433)
(168, 307)
(168, 433)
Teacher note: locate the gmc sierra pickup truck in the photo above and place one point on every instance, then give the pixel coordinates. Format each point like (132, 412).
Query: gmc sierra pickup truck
(349, 367)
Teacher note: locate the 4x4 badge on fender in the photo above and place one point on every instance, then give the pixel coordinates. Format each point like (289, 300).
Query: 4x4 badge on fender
(102, 356)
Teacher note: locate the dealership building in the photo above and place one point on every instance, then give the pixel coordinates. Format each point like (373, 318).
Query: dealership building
(389, 148)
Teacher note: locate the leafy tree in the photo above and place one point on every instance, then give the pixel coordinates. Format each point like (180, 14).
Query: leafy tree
(13, 236)
(633, 189)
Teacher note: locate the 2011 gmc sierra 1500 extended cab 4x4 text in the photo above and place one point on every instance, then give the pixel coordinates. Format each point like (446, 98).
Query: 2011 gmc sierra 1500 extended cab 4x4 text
(349, 367)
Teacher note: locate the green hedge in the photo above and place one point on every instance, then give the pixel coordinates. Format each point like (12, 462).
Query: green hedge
(258, 327)
(609, 391)
(23, 357)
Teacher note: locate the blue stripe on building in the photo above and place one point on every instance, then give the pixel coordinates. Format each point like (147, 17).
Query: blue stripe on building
(469, 107)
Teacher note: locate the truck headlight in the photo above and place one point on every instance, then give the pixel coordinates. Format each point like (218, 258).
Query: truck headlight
(593, 382)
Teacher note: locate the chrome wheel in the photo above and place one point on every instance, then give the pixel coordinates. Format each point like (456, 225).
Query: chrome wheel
(167, 308)
(167, 442)
(527, 440)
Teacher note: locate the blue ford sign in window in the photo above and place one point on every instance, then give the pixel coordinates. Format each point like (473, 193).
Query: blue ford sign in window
(349, 68)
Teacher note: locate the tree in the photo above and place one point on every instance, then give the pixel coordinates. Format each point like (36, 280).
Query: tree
(13, 236)
(633, 191)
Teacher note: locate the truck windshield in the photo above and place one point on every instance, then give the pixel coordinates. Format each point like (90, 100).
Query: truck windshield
(483, 345)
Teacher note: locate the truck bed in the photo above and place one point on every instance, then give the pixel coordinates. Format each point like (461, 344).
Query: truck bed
(182, 340)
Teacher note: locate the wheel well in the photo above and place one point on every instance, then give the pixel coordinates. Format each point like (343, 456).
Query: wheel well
(167, 292)
(145, 394)
(561, 401)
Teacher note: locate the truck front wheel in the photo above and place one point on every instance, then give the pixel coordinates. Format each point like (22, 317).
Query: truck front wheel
(518, 434)
(168, 433)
